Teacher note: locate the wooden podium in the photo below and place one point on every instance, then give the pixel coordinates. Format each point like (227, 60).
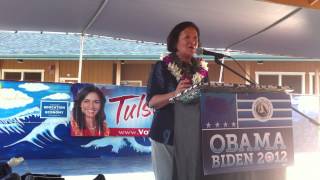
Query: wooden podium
(189, 132)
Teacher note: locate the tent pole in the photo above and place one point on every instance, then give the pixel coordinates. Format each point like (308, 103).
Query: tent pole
(221, 71)
(96, 15)
(266, 28)
(92, 20)
(80, 58)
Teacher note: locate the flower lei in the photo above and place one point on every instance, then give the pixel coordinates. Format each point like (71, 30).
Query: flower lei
(197, 63)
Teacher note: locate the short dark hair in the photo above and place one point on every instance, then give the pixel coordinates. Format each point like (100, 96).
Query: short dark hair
(173, 36)
(77, 112)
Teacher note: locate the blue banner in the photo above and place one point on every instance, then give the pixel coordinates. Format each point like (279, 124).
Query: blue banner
(35, 121)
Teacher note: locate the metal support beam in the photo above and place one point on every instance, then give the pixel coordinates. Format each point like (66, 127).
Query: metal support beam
(118, 73)
(89, 24)
(95, 16)
(80, 58)
(265, 29)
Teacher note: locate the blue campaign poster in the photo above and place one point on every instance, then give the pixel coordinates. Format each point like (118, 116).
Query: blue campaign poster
(35, 122)
(125, 110)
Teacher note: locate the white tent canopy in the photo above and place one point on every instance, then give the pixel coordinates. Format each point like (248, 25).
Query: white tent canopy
(222, 22)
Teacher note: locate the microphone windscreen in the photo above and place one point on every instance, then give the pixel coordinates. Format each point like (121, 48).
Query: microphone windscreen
(199, 51)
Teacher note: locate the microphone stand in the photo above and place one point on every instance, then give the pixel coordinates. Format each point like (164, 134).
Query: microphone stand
(217, 60)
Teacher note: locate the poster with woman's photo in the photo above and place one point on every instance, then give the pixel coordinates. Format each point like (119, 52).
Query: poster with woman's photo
(109, 110)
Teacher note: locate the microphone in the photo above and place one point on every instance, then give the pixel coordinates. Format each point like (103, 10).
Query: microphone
(201, 51)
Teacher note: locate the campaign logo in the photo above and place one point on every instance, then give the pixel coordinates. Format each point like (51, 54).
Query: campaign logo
(262, 109)
(51, 109)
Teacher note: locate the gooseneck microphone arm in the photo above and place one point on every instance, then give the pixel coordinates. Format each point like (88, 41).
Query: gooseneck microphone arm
(217, 57)
(217, 60)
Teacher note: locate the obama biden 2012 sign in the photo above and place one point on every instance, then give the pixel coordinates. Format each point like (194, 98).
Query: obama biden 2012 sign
(246, 131)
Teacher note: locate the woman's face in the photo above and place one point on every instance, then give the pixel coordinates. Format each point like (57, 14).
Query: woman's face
(91, 105)
(187, 43)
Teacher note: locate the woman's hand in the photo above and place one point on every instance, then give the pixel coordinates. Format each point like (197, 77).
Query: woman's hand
(161, 100)
(183, 85)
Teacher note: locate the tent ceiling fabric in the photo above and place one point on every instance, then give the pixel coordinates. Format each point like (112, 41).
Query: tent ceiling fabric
(47, 15)
(221, 22)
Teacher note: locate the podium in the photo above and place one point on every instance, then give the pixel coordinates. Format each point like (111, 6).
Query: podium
(211, 145)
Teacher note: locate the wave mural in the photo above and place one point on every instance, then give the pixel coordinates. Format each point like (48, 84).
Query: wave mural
(28, 130)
